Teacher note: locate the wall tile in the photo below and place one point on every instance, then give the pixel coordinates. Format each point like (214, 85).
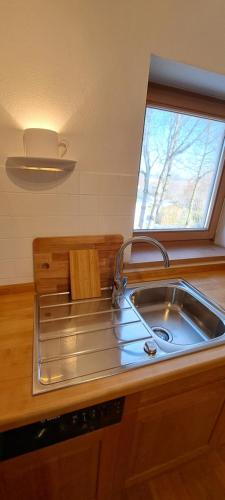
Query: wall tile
(90, 225)
(89, 183)
(34, 204)
(23, 267)
(108, 184)
(116, 224)
(4, 204)
(6, 227)
(85, 203)
(11, 280)
(116, 205)
(15, 248)
(89, 205)
(56, 225)
(124, 185)
(70, 185)
(6, 269)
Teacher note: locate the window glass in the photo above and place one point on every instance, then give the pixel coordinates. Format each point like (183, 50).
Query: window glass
(179, 170)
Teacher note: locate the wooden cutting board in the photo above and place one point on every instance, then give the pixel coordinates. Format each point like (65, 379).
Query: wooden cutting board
(84, 274)
(51, 259)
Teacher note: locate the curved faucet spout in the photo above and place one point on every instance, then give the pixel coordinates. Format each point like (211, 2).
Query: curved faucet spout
(120, 282)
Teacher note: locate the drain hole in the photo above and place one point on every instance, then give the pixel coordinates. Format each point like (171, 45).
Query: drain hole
(162, 333)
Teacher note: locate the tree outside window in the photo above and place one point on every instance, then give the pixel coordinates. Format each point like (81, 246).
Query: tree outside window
(180, 166)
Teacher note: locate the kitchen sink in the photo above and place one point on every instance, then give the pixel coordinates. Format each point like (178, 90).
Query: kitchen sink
(79, 341)
(178, 315)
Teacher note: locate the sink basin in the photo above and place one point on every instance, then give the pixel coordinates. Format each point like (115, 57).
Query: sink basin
(179, 316)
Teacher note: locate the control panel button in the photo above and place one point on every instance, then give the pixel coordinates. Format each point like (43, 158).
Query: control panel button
(42, 432)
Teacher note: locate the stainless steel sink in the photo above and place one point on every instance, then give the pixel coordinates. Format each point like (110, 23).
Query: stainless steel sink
(179, 316)
(85, 340)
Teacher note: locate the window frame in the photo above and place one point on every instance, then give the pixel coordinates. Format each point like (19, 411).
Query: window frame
(173, 99)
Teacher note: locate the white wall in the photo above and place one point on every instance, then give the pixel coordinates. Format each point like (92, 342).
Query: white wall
(81, 67)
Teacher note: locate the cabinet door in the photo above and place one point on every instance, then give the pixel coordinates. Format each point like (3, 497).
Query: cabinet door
(218, 436)
(65, 471)
(175, 427)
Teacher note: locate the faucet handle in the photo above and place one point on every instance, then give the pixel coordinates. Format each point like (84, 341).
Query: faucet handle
(119, 286)
(124, 282)
(116, 284)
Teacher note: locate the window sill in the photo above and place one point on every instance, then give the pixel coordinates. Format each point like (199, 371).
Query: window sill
(180, 253)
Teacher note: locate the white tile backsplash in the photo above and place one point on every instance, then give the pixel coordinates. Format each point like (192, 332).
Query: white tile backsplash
(7, 229)
(34, 204)
(4, 204)
(123, 185)
(116, 224)
(111, 184)
(11, 248)
(89, 205)
(115, 205)
(25, 278)
(22, 268)
(57, 225)
(89, 224)
(84, 203)
(89, 183)
(70, 185)
(6, 269)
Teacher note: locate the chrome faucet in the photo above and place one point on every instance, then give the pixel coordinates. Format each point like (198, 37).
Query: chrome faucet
(120, 282)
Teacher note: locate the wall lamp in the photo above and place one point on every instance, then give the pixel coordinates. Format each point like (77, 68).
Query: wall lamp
(43, 153)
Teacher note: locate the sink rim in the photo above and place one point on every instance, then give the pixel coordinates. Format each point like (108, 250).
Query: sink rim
(183, 284)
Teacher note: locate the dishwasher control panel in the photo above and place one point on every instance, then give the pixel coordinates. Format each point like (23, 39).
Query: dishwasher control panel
(56, 429)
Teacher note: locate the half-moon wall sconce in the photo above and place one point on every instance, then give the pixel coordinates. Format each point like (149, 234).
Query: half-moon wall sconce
(44, 154)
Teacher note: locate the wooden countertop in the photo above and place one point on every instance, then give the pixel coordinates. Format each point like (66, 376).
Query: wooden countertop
(18, 406)
(180, 252)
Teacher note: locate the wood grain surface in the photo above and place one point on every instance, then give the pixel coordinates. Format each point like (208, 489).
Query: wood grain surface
(19, 407)
(200, 479)
(51, 259)
(180, 253)
(84, 274)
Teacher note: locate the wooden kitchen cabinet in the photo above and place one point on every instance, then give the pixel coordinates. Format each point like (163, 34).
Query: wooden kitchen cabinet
(161, 427)
(158, 435)
(218, 436)
(174, 427)
(78, 469)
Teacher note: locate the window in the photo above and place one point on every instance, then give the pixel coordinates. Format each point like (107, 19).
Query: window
(180, 171)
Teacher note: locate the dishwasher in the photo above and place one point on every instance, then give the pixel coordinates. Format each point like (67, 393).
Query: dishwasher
(53, 430)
